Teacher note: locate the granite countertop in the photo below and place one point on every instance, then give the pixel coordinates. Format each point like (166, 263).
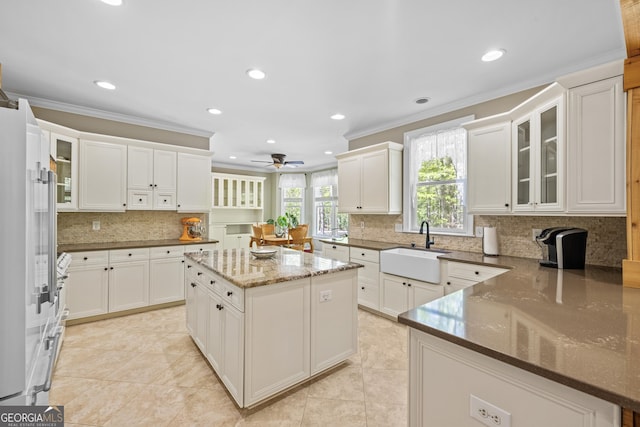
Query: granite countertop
(103, 246)
(242, 269)
(576, 327)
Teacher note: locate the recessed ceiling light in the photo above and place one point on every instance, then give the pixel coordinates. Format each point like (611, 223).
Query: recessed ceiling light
(328, 152)
(271, 141)
(337, 116)
(422, 100)
(214, 111)
(254, 73)
(113, 2)
(105, 85)
(232, 157)
(492, 55)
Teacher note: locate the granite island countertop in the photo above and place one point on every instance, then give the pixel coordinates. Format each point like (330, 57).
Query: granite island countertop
(575, 327)
(103, 246)
(244, 270)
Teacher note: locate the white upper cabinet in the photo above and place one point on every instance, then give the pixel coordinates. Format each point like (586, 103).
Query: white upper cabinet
(151, 176)
(103, 176)
(489, 165)
(596, 180)
(237, 191)
(194, 183)
(370, 180)
(63, 144)
(538, 152)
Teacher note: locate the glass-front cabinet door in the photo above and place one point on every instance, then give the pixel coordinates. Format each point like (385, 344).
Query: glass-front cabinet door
(66, 158)
(537, 159)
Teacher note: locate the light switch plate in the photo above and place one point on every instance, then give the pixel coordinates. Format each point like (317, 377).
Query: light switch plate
(95, 226)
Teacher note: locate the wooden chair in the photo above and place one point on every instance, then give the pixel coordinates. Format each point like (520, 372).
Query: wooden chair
(297, 237)
(268, 229)
(256, 236)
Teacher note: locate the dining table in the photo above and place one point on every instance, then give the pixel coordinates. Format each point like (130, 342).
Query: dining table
(273, 240)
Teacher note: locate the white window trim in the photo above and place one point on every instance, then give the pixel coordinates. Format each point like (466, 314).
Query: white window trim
(408, 211)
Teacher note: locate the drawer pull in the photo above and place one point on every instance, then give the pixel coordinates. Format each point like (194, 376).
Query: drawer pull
(168, 252)
(477, 272)
(105, 269)
(110, 268)
(193, 285)
(140, 200)
(409, 284)
(363, 254)
(199, 273)
(362, 288)
(213, 282)
(130, 254)
(189, 266)
(448, 283)
(85, 258)
(229, 293)
(150, 185)
(334, 246)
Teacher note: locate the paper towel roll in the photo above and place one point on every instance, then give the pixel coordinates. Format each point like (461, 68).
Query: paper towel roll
(490, 241)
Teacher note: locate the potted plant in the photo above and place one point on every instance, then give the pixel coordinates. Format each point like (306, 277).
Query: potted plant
(283, 223)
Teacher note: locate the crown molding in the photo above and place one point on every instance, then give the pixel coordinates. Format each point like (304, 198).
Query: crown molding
(547, 78)
(108, 115)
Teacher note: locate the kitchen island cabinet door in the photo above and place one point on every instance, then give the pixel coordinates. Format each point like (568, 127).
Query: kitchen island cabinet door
(334, 319)
(215, 344)
(277, 341)
(394, 298)
(232, 331)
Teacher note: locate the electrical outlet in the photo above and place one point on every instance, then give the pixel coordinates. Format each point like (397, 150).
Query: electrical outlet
(95, 226)
(488, 414)
(479, 231)
(535, 232)
(325, 296)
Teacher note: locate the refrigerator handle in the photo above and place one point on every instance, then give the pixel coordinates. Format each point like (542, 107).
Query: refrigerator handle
(51, 343)
(52, 250)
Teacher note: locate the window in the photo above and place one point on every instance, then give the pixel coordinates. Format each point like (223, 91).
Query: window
(435, 178)
(292, 195)
(326, 220)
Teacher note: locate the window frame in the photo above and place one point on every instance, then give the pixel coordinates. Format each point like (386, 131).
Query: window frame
(334, 210)
(409, 220)
(302, 199)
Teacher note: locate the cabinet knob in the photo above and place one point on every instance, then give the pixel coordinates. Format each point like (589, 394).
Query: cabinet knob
(362, 254)
(85, 258)
(229, 293)
(477, 272)
(150, 185)
(212, 282)
(140, 200)
(130, 254)
(183, 261)
(168, 252)
(404, 283)
(110, 268)
(448, 283)
(188, 266)
(178, 205)
(199, 273)
(105, 269)
(334, 247)
(155, 185)
(124, 204)
(362, 288)
(506, 205)
(408, 284)
(165, 200)
(193, 285)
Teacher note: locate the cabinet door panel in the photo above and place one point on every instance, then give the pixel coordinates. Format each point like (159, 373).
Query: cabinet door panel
(166, 280)
(128, 285)
(349, 185)
(233, 339)
(140, 168)
(395, 295)
(66, 155)
(193, 183)
(489, 175)
(214, 333)
(423, 293)
(103, 176)
(596, 166)
(164, 170)
(87, 291)
(375, 182)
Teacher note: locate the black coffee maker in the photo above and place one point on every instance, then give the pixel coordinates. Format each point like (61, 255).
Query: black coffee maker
(565, 247)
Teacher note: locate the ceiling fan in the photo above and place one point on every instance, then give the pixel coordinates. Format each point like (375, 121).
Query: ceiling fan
(278, 161)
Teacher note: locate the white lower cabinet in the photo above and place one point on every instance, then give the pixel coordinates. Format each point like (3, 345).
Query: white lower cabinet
(88, 284)
(265, 339)
(128, 285)
(339, 252)
(460, 275)
(400, 294)
(368, 276)
(166, 274)
(444, 378)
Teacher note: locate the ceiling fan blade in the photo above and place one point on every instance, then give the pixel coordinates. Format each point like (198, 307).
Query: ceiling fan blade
(294, 162)
(261, 161)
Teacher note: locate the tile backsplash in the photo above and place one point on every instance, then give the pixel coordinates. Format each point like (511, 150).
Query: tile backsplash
(606, 242)
(76, 227)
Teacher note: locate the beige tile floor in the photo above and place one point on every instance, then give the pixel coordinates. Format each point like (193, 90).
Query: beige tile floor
(144, 369)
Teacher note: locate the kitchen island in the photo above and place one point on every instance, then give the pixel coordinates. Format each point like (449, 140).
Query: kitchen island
(537, 345)
(266, 325)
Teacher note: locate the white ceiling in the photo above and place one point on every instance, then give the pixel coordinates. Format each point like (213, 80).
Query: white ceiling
(367, 59)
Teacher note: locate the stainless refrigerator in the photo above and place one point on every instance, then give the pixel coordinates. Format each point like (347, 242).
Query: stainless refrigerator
(30, 318)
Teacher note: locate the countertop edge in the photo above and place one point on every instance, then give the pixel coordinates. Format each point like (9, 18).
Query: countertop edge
(614, 398)
(133, 244)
